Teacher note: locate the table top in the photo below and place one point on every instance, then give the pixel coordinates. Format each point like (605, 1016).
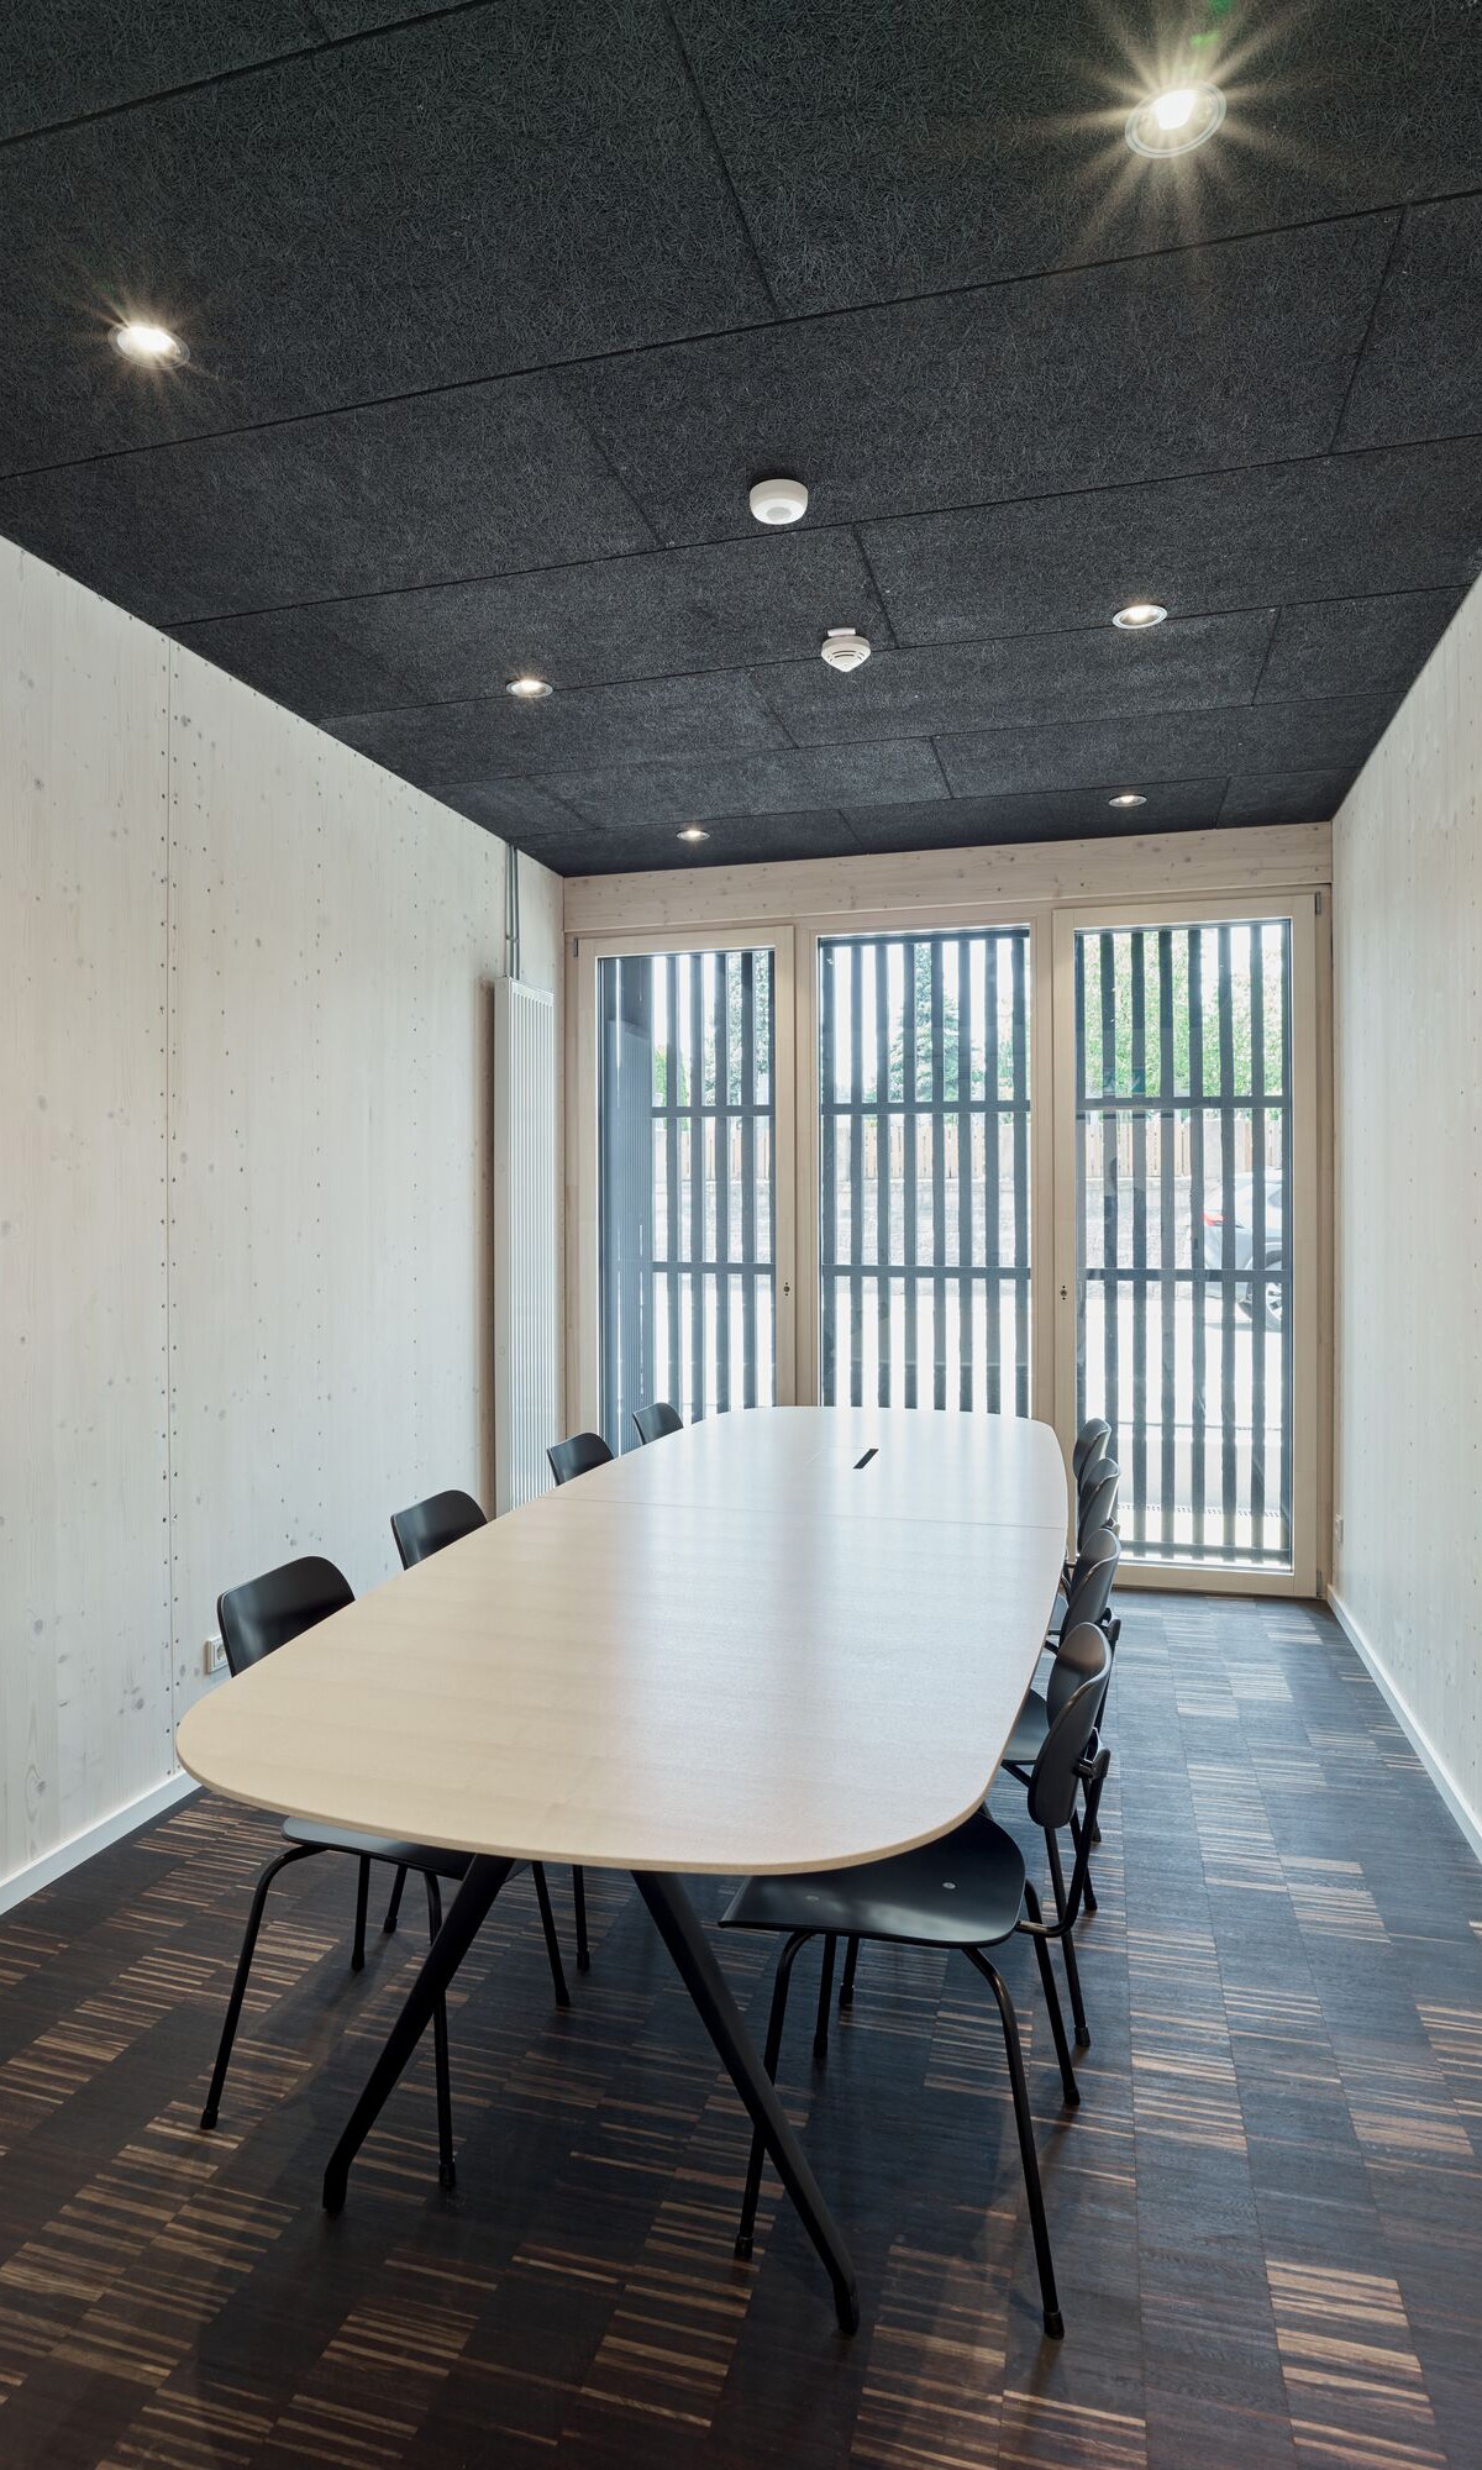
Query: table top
(733, 1651)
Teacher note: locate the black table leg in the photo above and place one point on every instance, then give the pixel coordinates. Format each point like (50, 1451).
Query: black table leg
(679, 1927)
(480, 1884)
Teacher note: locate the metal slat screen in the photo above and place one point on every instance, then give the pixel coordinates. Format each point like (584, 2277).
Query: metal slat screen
(687, 1209)
(924, 1170)
(1183, 1140)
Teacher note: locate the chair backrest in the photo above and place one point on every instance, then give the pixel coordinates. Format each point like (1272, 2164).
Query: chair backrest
(430, 1526)
(1057, 1770)
(261, 1616)
(1092, 1580)
(1078, 1658)
(1091, 1442)
(577, 1456)
(1098, 1505)
(652, 1423)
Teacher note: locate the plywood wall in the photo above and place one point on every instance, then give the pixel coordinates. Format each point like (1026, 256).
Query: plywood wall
(1407, 923)
(245, 1170)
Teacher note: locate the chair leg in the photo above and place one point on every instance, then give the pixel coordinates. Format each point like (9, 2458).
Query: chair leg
(825, 2000)
(1054, 2321)
(1068, 2083)
(362, 1898)
(1088, 1891)
(552, 1942)
(281, 1861)
(579, 1899)
(447, 2168)
(851, 1967)
(1067, 1944)
(770, 2057)
(394, 1907)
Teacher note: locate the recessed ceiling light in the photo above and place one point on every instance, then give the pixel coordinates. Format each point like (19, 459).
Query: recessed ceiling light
(842, 648)
(528, 689)
(779, 501)
(152, 346)
(692, 831)
(1128, 797)
(1175, 121)
(1139, 613)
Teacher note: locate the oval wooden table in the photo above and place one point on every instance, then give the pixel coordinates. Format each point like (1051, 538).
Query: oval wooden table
(784, 1639)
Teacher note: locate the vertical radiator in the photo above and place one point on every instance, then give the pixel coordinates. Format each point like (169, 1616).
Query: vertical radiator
(526, 1296)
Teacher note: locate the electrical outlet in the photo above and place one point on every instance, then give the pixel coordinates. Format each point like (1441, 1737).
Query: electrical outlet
(214, 1656)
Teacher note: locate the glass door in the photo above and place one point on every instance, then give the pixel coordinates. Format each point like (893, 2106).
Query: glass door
(1185, 1259)
(924, 1170)
(687, 1182)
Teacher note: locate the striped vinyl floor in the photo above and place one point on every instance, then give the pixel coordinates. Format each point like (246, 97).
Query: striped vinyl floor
(1267, 2214)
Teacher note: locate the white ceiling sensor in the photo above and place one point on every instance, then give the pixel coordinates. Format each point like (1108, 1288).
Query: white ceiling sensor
(779, 501)
(842, 648)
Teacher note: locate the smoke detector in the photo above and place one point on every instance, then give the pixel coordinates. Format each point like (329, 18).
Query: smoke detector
(842, 648)
(779, 501)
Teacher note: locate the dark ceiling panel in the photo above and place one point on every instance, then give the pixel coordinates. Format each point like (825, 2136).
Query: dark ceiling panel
(474, 194)
(521, 810)
(735, 840)
(1421, 374)
(595, 725)
(1050, 814)
(469, 482)
(1035, 679)
(1285, 531)
(1286, 797)
(1360, 647)
(691, 609)
(1171, 746)
(896, 773)
(1236, 354)
(62, 58)
(879, 150)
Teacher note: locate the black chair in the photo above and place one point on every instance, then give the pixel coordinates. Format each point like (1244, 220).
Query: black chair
(255, 1621)
(655, 1422)
(968, 1891)
(1098, 1503)
(1084, 1653)
(427, 1527)
(1091, 1442)
(577, 1456)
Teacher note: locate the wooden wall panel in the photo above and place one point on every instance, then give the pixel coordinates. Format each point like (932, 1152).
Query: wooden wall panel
(84, 1608)
(1407, 922)
(245, 1175)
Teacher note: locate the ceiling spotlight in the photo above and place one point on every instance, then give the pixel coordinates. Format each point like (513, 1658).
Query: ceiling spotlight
(692, 831)
(1176, 121)
(779, 501)
(1128, 797)
(1139, 613)
(529, 690)
(151, 346)
(842, 648)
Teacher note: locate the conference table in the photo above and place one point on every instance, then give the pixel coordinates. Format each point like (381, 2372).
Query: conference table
(784, 1639)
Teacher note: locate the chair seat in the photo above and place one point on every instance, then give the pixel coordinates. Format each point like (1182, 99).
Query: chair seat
(965, 1890)
(1031, 1726)
(420, 1857)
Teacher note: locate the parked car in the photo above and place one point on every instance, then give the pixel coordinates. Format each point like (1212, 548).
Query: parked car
(1242, 1241)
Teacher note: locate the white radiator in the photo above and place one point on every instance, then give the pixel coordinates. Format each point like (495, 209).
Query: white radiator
(526, 1300)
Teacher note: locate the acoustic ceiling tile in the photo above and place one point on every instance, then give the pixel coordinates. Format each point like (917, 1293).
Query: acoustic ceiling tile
(1034, 680)
(650, 720)
(1133, 752)
(467, 482)
(781, 784)
(1421, 372)
(1203, 358)
(1334, 526)
(1046, 814)
(481, 192)
(1337, 647)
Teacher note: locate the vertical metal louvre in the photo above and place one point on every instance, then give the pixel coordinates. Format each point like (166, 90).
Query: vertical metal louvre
(924, 1170)
(1183, 1149)
(687, 1206)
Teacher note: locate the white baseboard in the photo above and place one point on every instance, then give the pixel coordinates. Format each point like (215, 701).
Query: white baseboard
(1419, 1739)
(64, 1857)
